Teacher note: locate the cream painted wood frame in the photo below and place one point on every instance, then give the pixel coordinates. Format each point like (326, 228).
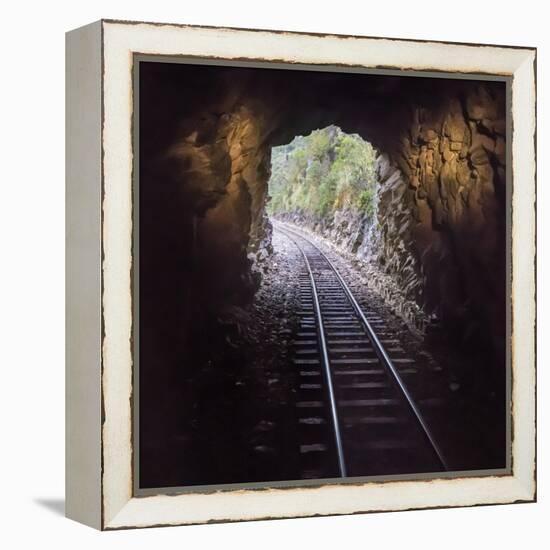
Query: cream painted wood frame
(99, 459)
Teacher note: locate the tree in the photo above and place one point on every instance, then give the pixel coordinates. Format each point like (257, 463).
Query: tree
(323, 172)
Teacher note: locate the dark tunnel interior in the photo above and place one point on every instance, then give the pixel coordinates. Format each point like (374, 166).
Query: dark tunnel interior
(205, 140)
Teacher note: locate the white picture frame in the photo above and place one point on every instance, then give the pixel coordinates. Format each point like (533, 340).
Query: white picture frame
(99, 365)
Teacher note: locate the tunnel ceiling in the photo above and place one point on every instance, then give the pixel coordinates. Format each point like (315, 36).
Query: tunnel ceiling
(205, 142)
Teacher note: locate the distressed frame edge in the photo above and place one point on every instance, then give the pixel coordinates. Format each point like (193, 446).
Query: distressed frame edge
(315, 34)
(523, 487)
(524, 271)
(83, 323)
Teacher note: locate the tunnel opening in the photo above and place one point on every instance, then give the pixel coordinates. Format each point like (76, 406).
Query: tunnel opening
(326, 180)
(417, 212)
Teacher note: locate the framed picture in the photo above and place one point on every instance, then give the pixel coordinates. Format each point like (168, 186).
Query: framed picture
(300, 274)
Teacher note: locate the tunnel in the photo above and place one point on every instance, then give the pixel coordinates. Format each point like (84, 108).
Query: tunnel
(206, 139)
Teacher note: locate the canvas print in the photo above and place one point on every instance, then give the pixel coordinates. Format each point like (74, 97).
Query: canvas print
(321, 276)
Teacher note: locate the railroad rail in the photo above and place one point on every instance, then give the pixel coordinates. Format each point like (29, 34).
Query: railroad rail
(355, 413)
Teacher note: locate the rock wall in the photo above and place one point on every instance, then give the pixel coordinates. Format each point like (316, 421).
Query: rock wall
(438, 241)
(436, 250)
(233, 227)
(454, 160)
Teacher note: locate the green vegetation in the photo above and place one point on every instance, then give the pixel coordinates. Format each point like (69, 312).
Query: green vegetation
(321, 173)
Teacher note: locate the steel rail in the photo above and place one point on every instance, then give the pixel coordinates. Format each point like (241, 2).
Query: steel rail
(380, 351)
(325, 360)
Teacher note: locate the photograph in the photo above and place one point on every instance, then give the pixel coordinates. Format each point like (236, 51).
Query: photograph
(321, 274)
(274, 275)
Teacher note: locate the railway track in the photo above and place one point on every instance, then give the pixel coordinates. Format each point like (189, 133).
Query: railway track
(355, 414)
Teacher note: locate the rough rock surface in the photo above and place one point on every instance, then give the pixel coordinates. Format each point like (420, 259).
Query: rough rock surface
(207, 134)
(437, 246)
(454, 222)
